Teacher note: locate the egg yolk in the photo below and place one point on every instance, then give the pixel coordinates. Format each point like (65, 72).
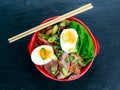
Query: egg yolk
(45, 53)
(69, 37)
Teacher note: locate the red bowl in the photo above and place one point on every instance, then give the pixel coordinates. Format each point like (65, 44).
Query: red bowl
(33, 40)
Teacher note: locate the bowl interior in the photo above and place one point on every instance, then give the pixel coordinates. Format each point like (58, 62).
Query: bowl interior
(32, 42)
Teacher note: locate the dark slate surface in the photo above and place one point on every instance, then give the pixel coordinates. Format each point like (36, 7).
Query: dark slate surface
(17, 72)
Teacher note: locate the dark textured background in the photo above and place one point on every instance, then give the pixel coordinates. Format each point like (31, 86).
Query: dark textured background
(17, 72)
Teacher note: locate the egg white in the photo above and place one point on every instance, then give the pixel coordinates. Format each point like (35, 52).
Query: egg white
(66, 46)
(37, 59)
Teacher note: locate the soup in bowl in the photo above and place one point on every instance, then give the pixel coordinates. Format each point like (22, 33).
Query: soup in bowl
(64, 51)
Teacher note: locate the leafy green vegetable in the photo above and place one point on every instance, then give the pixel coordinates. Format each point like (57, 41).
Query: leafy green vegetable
(74, 25)
(77, 44)
(87, 60)
(84, 45)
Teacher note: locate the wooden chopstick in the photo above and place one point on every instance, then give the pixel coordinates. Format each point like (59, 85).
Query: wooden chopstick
(49, 23)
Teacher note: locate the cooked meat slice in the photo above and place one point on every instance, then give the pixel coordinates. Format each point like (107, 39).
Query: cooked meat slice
(61, 76)
(63, 56)
(76, 73)
(63, 67)
(77, 69)
(62, 59)
(76, 59)
(75, 66)
(73, 76)
(51, 64)
(72, 67)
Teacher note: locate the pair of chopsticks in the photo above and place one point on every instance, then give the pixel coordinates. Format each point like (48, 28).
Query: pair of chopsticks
(49, 23)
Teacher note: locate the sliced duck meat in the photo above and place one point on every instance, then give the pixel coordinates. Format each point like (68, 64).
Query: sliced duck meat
(63, 71)
(63, 62)
(73, 76)
(63, 56)
(63, 66)
(62, 76)
(52, 67)
(77, 69)
(76, 64)
(72, 67)
(76, 59)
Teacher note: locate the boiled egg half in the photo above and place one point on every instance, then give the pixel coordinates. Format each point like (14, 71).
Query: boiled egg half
(42, 54)
(68, 39)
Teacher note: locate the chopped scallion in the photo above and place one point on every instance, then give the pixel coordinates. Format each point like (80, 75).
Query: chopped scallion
(67, 60)
(72, 50)
(55, 29)
(43, 36)
(53, 70)
(72, 58)
(64, 71)
(51, 39)
(54, 57)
